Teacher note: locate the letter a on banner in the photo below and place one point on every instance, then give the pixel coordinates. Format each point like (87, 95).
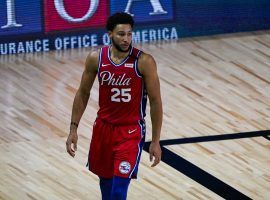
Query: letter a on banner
(59, 5)
(157, 8)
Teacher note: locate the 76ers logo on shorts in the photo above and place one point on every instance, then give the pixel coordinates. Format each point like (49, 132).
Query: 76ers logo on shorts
(124, 167)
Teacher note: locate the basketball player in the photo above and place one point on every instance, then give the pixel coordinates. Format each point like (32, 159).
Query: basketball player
(126, 76)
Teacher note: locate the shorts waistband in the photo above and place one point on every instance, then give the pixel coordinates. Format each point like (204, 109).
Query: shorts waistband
(121, 124)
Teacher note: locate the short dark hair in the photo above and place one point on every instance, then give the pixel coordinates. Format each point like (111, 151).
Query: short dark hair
(119, 18)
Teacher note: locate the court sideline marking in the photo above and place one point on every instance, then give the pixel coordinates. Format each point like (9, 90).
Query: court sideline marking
(199, 175)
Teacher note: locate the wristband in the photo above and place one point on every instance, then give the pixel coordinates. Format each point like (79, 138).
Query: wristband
(74, 124)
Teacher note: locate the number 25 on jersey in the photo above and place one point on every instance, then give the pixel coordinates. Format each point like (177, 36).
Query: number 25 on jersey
(121, 95)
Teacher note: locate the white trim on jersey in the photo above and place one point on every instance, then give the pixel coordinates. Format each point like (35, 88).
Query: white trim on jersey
(99, 60)
(141, 103)
(139, 151)
(136, 66)
(138, 54)
(113, 63)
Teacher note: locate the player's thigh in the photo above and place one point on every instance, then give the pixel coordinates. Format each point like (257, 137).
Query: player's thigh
(127, 150)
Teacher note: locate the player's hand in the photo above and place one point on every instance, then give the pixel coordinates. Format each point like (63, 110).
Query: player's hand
(71, 143)
(155, 152)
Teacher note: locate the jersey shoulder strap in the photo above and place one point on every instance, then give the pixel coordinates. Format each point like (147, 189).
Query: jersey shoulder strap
(135, 53)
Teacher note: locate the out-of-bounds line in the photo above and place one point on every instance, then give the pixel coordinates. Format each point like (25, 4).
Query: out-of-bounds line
(264, 133)
(267, 137)
(197, 174)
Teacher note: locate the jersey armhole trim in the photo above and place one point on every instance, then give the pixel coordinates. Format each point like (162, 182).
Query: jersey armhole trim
(138, 73)
(99, 59)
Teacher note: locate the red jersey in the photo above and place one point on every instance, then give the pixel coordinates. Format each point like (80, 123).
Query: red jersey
(122, 95)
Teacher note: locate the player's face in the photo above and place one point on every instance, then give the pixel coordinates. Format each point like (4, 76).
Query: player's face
(121, 37)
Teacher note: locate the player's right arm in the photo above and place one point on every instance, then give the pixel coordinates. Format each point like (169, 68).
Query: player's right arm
(81, 99)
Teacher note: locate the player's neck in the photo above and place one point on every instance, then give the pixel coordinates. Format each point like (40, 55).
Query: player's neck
(118, 55)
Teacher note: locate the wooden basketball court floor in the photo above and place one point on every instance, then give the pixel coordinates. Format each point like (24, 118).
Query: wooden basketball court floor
(216, 96)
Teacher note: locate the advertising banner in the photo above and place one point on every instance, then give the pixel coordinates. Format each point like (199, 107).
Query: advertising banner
(28, 26)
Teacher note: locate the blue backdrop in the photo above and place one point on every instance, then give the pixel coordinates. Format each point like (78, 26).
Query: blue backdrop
(155, 20)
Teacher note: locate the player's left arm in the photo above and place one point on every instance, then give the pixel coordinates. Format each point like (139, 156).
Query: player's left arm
(148, 68)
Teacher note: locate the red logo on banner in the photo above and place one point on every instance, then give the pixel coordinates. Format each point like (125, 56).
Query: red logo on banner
(74, 14)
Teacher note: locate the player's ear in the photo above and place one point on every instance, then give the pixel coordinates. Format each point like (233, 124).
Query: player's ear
(110, 34)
